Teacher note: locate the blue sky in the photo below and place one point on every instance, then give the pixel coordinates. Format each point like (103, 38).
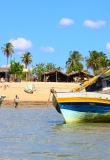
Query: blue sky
(50, 29)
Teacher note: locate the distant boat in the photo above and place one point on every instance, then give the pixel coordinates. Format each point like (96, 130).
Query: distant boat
(92, 105)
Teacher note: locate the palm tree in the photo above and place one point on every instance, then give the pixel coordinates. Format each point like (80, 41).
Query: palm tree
(73, 62)
(7, 50)
(105, 62)
(93, 61)
(26, 58)
(97, 61)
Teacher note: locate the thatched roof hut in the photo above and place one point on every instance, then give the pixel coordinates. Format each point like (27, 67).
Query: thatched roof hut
(79, 76)
(58, 76)
(54, 76)
(4, 73)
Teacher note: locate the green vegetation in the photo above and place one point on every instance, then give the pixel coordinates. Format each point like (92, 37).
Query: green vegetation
(27, 58)
(96, 61)
(73, 63)
(41, 68)
(16, 69)
(7, 49)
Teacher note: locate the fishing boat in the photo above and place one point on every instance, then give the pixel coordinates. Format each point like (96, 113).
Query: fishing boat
(89, 102)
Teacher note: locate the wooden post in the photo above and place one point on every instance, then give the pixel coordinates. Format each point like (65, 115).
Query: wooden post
(44, 77)
(56, 76)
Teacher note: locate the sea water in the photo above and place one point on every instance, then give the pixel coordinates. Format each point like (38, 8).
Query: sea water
(39, 133)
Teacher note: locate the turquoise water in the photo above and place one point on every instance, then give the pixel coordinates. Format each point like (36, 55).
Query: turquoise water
(40, 134)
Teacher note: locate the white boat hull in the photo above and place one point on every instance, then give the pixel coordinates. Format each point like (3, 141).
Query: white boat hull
(82, 107)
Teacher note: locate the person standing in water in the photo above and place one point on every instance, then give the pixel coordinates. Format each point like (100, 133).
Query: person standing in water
(16, 101)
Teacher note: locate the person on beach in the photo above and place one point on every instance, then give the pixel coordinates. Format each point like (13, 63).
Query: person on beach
(16, 101)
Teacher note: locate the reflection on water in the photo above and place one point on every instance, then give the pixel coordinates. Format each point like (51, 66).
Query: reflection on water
(40, 133)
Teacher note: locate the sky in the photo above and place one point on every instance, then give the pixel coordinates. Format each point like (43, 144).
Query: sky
(50, 29)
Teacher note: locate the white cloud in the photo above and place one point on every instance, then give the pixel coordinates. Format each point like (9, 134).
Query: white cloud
(21, 43)
(4, 65)
(47, 49)
(108, 47)
(92, 24)
(66, 22)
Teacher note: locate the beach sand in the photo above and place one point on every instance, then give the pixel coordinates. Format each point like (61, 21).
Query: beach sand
(40, 96)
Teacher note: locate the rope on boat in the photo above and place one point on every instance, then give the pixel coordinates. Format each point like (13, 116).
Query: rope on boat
(52, 91)
(40, 114)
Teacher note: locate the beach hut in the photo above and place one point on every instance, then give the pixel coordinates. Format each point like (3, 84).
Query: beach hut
(4, 74)
(54, 76)
(79, 76)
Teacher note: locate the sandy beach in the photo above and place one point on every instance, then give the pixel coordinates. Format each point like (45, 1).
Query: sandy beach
(40, 96)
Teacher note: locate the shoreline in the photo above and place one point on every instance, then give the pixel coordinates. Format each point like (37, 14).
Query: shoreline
(41, 95)
(9, 102)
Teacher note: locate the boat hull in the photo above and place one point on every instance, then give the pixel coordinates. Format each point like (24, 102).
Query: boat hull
(96, 113)
(80, 109)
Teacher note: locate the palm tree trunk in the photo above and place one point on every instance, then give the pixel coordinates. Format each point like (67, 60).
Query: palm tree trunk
(6, 75)
(26, 76)
(7, 62)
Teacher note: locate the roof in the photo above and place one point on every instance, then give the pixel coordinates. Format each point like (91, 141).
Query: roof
(78, 72)
(4, 69)
(54, 71)
(73, 73)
